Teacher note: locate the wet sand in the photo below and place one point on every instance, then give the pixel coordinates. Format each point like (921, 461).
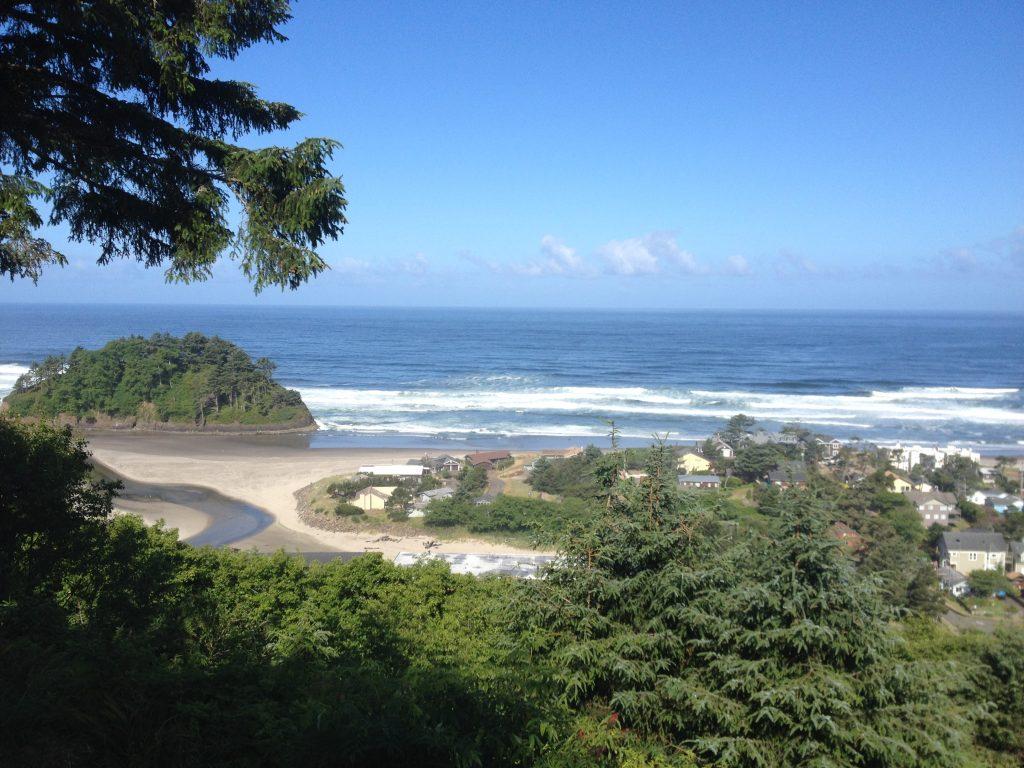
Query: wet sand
(214, 489)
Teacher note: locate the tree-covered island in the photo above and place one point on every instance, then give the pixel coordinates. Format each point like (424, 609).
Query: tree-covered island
(163, 382)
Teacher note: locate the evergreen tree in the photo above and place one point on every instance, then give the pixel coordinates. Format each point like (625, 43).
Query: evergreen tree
(772, 652)
(110, 116)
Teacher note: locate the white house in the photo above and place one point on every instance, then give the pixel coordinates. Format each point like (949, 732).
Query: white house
(829, 448)
(394, 470)
(723, 448)
(953, 581)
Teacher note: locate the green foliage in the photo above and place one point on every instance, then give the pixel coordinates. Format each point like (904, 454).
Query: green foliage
(110, 102)
(472, 481)
(660, 640)
(572, 476)
(737, 428)
(980, 678)
(1011, 524)
(972, 512)
(957, 475)
(397, 505)
(50, 506)
(754, 462)
(122, 646)
(191, 381)
(544, 521)
(986, 583)
(770, 652)
(346, 509)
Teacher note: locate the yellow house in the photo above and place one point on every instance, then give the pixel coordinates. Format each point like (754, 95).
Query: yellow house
(373, 497)
(973, 550)
(692, 464)
(898, 483)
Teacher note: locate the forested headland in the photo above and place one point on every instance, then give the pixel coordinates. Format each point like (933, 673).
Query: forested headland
(191, 383)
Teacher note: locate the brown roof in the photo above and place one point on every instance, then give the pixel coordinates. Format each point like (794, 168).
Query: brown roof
(483, 457)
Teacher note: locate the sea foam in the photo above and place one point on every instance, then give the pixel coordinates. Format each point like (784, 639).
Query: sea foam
(567, 410)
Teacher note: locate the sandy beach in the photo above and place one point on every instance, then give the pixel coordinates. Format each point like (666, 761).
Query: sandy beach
(182, 478)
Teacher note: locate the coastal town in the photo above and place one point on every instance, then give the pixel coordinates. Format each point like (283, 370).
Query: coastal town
(967, 504)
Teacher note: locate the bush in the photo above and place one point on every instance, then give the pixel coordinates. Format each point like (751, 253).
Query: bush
(345, 509)
(989, 583)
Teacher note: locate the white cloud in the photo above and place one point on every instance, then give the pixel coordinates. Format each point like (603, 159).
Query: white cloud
(557, 258)
(629, 257)
(350, 266)
(737, 265)
(790, 264)
(961, 261)
(414, 265)
(648, 255)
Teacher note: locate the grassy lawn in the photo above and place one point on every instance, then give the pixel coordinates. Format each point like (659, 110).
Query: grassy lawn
(744, 495)
(316, 499)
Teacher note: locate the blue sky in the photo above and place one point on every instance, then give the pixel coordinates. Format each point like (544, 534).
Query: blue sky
(677, 155)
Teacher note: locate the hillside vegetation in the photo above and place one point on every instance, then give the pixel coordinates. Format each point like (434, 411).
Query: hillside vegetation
(660, 639)
(193, 382)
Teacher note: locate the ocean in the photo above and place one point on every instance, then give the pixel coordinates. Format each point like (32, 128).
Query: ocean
(539, 378)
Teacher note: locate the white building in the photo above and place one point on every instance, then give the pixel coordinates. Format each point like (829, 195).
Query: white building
(395, 470)
(516, 566)
(908, 457)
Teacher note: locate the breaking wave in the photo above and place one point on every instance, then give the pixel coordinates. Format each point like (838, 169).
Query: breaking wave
(9, 373)
(564, 411)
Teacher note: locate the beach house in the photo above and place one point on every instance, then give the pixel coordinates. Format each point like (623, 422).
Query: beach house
(897, 483)
(442, 464)
(724, 449)
(434, 493)
(691, 463)
(829, 448)
(699, 481)
(372, 497)
(1003, 502)
(489, 459)
(973, 550)
(934, 506)
(952, 581)
(793, 474)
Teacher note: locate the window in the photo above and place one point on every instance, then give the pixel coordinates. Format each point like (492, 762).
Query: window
(972, 556)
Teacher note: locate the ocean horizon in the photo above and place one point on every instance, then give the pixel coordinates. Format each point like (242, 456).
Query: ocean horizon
(537, 378)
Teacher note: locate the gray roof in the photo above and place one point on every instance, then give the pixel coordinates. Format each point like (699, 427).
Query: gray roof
(793, 472)
(992, 500)
(973, 540)
(950, 577)
(920, 497)
(438, 493)
(1016, 549)
(699, 479)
